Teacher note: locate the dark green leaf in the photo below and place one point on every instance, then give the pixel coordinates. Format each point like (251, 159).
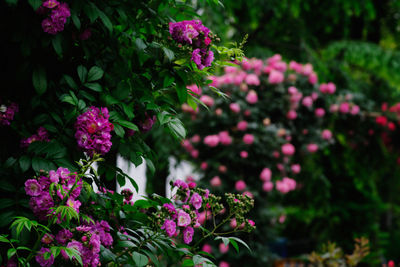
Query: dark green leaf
(139, 259)
(106, 21)
(82, 73)
(57, 41)
(70, 81)
(94, 86)
(119, 130)
(39, 80)
(24, 163)
(168, 53)
(35, 4)
(95, 73)
(6, 202)
(177, 129)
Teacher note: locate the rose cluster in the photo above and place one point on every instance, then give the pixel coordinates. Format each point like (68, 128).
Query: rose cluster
(86, 239)
(48, 191)
(42, 135)
(57, 16)
(276, 113)
(93, 131)
(7, 113)
(194, 34)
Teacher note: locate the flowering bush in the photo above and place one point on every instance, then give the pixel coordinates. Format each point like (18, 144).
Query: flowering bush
(256, 142)
(91, 78)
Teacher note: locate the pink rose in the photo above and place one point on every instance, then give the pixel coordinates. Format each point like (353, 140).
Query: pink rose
(203, 165)
(234, 107)
(248, 139)
(194, 89)
(265, 174)
(275, 77)
(223, 264)
(326, 134)
(291, 115)
(334, 108)
(344, 107)
(319, 112)
(242, 125)
(240, 185)
(224, 138)
(252, 97)
(211, 140)
(355, 110)
(223, 249)
(207, 248)
(292, 90)
(312, 148)
(288, 149)
(307, 101)
(295, 168)
(252, 79)
(244, 154)
(267, 186)
(313, 78)
(215, 181)
(207, 100)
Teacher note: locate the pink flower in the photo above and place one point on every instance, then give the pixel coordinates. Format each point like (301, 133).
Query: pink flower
(267, 186)
(222, 168)
(207, 248)
(218, 112)
(355, 110)
(265, 174)
(344, 107)
(233, 223)
(282, 218)
(196, 201)
(248, 193)
(307, 101)
(195, 90)
(188, 235)
(276, 154)
(32, 187)
(223, 264)
(203, 165)
(248, 139)
(326, 134)
(194, 153)
(275, 77)
(288, 149)
(252, 79)
(170, 227)
(247, 112)
(244, 154)
(240, 185)
(242, 125)
(312, 148)
(223, 249)
(334, 108)
(319, 112)
(234, 107)
(295, 168)
(183, 219)
(314, 96)
(291, 115)
(292, 90)
(215, 181)
(331, 88)
(211, 140)
(224, 138)
(313, 78)
(195, 138)
(293, 65)
(207, 100)
(252, 97)
(307, 69)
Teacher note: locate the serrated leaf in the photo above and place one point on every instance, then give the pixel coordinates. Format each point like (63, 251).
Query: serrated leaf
(39, 80)
(95, 73)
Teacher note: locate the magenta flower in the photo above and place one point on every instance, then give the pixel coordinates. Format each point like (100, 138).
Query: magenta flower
(41, 259)
(188, 235)
(93, 131)
(183, 219)
(265, 174)
(181, 184)
(288, 149)
(75, 245)
(50, 3)
(170, 227)
(7, 113)
(242, 125)
(33, 188)
(248, 139)
(63, 236)
(240, 185)
(196, 201)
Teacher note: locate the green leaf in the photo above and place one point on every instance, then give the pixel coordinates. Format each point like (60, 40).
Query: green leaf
(39, 80)
(95, 73)
(139, 259)
(56, 41)
(239, 241)
(128, 125)
(75, 20)
(168, 80)
(121, 179)
(150, 166)
(70, 82)
(6, 203)
(24, 163)
(168, 53)
(94, 86)
(41, 164)
(140, 44)
(12, 2)
(177, 129)
(106, 21)
(119, 130)
(82, 73)
(11, 252)
(181, 90)
(35, 4)
(4, 239)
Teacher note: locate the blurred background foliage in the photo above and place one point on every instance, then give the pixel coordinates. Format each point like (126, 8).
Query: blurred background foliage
(352, 188)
